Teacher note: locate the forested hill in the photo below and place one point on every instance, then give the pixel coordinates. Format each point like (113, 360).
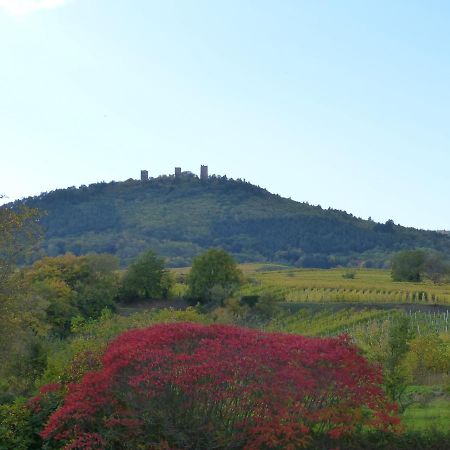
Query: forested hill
(180, 217)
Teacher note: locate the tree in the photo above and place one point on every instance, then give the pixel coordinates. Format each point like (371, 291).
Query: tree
(19, 229)
(146, 278)
(436, 267)
(395, 380)
(74, 285)
(214, 276)
(21, 315)
(408, 265)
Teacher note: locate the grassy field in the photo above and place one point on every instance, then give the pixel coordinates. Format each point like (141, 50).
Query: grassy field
(433, 414)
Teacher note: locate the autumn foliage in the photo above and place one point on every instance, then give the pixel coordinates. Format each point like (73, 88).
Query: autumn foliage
(195, 386)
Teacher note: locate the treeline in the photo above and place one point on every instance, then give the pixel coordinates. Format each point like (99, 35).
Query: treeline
(181, 217)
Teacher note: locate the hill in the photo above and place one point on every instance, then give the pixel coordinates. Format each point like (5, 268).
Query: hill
(180, 217)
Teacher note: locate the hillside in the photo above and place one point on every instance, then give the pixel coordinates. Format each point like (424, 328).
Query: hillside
(180, 217)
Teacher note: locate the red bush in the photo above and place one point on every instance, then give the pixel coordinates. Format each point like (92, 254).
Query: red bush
(194, 386)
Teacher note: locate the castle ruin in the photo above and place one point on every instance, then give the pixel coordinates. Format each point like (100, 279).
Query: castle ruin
(179, 173)
(144, 175)
(203, 173)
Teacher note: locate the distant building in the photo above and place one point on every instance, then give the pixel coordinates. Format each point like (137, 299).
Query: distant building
(203, 172)
(177, 171)
(144, 175)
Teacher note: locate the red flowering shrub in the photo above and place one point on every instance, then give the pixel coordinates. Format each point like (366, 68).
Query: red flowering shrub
(195, 386)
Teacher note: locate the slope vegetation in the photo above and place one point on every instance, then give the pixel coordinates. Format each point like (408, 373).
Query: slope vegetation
(180, 217)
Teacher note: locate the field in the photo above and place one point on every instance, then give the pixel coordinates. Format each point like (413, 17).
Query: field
(340, 285)
(359, 286)
(433, 414)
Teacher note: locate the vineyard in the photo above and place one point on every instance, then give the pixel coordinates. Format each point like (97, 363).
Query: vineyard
(340, 285)
(328, 322)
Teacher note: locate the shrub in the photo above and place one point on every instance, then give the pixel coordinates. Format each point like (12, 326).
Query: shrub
(216, 386)
(16, 431)
(349, 275)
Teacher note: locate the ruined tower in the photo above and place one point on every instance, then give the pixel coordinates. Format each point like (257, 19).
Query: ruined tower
(203, 172)
(144, 175)
(177, 171)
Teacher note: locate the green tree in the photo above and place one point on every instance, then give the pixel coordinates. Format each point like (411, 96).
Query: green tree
(22, 316)
(408, 265)
(436, 267)
(395, 377)
(74, 285)
(214, 277)
(145, 279)
(19, 229)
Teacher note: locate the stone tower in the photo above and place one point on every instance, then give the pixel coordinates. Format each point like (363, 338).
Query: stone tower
(144, 175)
(203, 172)
(177, 171)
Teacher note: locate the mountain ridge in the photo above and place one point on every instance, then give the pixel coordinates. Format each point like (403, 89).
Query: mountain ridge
(181, 216)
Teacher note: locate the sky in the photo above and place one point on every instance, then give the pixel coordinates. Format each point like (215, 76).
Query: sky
(345, 104)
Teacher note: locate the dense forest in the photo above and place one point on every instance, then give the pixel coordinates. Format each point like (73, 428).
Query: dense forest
(180, 217)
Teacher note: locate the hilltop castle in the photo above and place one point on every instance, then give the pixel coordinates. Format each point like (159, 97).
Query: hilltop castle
(178, 173)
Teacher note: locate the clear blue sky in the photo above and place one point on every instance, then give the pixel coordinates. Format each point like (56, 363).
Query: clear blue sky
(338, 103)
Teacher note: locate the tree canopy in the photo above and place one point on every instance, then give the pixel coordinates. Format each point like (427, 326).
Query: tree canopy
(74, 285)
(408, 265)
(213, 277)
(413, 265)
(145, 279)
(179, 218)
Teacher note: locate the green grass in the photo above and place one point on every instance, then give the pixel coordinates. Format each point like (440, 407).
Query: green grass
(433, 414)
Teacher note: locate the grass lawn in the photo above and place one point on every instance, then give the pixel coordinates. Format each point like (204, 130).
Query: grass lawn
(433, 414)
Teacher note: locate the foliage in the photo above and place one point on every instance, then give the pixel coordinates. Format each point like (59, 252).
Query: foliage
(22, 316)
(413, 265)
(214, 277)
(192, 386)
(180, 218)
(19, 229)
(16, 429)
(145, 279)
(69, 360)
(408, 265)
(436, 267)
(395, 379)
(41, 407)
(428, 353)
(349, 275)
(74, 285)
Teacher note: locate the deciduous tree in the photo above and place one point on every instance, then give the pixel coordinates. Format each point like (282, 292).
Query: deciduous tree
(145, 279)
(213, 277)
(408, 265)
